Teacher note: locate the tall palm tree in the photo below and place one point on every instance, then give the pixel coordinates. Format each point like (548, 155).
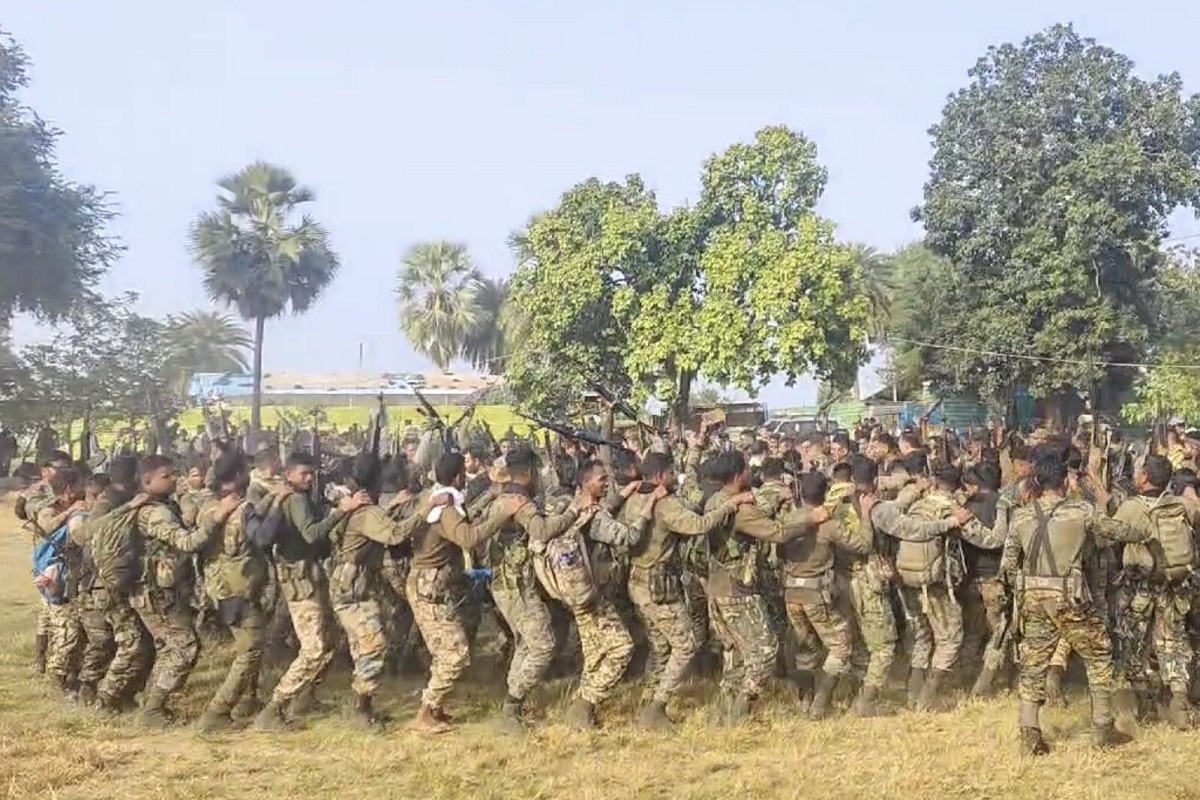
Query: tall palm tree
(204, 341)
(257, 257)
(438, 290)
(877, 281)
(486, 345)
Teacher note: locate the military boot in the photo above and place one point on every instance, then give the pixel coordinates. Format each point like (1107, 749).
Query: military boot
(248, 705)
(305, 703)
(428, 723)
(867, 703)
(1179, 712)
(40, 645)
(805, 687)
(1032, 743)
(739, 710)
(984, 682)
(154, 709)
(1054, 689)
(654, 716)
(916, 682)
(87, 694)
(930, 697)
(214, 719)
(826, 684)
(510, 720)
(1104, 734)
(272, 718)
(364, 715)
(580, 715)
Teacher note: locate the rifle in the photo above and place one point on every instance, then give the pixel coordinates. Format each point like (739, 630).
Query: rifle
(625, 408)
(318, 489)
(430, 413)
(575, 434)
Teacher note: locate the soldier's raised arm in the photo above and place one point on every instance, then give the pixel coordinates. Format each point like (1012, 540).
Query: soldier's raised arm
(890, 519)
(1125, 527)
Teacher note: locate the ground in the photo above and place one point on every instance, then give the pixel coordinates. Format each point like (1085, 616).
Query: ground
(48, 750)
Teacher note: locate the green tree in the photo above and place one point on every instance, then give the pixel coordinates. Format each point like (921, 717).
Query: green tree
(487, 343)
(204, 341)
(258, 257)
(438, 290)
(53, 241)
(1053, 175)
(877, 271)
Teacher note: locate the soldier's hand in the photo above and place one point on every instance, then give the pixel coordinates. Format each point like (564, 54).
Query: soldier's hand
(962, 516)
(818, 515)
(400, 499)
(867, 502)
(659, 493)
(140, 499)
(923, 483)
(743, 499)
(629, 489)
(442, 499)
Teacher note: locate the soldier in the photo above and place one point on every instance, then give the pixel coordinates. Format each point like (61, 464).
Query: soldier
(162, 596)
(929, 570)
(1052, 541)
(235, 574)
(359, 544)
(825, 638)
(436, 588)
(118, 651)
(735, 603)
(514, 586)
(605, 641)
(58, 519)
(655, 582)
(298, 550)
(1158, 611)
(983, 594)
(28, 504)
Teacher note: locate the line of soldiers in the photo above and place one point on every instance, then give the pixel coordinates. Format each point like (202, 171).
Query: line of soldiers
(831, 555)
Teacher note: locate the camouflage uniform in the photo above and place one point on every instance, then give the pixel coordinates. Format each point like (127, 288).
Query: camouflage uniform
(356, 582)
(517, 594)
(656, 589)
(38, 497)
(161, 600)
(1052, 540)
(735, 603)
(235, 572)
(771, 499)
(65, 628)
(303, 587)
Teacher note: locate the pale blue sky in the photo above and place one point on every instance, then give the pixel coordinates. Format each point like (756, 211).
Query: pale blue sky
(457, 119)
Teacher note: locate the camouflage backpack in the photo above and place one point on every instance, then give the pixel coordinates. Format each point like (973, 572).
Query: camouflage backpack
(1173, 543)
(564, 567)
(938, 560)
(116, 549)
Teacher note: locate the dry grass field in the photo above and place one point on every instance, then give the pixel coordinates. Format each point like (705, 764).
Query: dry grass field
(48, 750)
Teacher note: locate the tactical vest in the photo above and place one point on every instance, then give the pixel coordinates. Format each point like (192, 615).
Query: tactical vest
(234, 567)
(163, 567)
(920, 564)
(1053, 544)
(733, 552)
(507, 553)
(1169, 554)
(357, 562)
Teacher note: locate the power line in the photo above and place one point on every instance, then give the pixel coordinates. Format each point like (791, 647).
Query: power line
(1028, 357)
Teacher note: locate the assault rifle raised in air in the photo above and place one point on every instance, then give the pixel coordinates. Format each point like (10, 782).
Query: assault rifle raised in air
(574, 434)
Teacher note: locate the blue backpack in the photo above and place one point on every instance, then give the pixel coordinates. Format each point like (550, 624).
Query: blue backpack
(48, 554)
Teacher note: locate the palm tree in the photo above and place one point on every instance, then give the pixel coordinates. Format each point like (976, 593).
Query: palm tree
(877, 282)
(257, 258)
(204, 341)
(486, 345)
(438, 290)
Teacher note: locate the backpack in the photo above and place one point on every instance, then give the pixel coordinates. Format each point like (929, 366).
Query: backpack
(49, 567)
(564, 568)
(938, 560)
(1176, 551)
(117, 549)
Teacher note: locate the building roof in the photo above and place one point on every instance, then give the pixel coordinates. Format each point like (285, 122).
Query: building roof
(347, 383)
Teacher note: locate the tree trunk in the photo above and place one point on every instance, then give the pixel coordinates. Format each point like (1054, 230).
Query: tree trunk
(256, 402)
(678, 420)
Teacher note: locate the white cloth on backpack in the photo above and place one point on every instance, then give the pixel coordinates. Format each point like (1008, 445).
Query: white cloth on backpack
(456, 498)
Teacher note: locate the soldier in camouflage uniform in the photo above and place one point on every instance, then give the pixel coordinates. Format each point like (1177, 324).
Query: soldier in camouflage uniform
(735, 602)
(235, 573)
(162, 596)
(28, 505)
(68, 509)
(655, 584)
(436, 589)
(514, 586)
(299, 545)
(773, 497)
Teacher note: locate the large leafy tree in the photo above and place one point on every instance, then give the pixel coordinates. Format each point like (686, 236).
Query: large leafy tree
(1172, 385)
(746, 285)
(438, 290)
(53, 244)
(204, 341)
(261, 255)
(1053, 175)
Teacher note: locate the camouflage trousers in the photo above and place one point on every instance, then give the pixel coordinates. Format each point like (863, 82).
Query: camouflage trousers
(744, 627)
(875, 622)
(115, 656)
(62, 650)
(607, 648)
(983, 608)
(1045, 619)
(312, 625)
(363, 626)
(824, 636)
(529, 619)
(171, 621)
(247, 623)
(394, 609)
(935, 626)
(672, 637)
(697, 609)
(1157, 620)
(440, 624)
(43, 617)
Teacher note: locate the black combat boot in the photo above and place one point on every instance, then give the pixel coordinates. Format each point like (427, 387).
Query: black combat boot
(916, 682)
(306, 703)
(272, 718)
(806, 685)
(1054, 688)
(826, 684)
(40, 645)
(654, 716)
(364, 715)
